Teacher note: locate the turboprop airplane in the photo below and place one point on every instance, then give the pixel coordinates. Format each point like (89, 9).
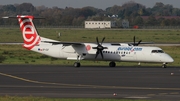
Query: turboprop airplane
(113, 52)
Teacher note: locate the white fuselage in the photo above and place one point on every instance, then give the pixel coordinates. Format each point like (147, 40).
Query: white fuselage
(117, 52)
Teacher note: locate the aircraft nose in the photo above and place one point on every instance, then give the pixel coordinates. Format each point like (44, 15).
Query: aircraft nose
(169, 59)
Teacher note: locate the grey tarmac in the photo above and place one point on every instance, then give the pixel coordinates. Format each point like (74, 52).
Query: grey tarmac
(124, 82)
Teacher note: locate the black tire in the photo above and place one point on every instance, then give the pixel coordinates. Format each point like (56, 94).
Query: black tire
(112, 64)
(164, 66)
(77, 64)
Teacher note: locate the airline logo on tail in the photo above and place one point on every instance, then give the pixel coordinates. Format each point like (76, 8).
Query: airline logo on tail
(29, 33)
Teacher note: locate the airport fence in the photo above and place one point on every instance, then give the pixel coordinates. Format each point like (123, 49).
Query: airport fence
(159, 27)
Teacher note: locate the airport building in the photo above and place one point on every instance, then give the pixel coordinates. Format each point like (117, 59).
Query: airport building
(100, 24)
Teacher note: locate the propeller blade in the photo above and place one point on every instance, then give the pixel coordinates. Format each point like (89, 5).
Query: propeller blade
(99, 48)
(102, 40)
(97, 40)
(97, 53)
(136, 44)
(139, 42)
(102, 55)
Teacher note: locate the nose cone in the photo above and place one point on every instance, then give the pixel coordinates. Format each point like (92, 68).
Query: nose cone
(169, 59)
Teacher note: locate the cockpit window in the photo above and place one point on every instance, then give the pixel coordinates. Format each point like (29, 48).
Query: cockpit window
(160, 51)
(157, 51)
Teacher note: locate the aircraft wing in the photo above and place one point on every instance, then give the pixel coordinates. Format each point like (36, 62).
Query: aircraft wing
(136, 43)
(64, 43)
(78, 47)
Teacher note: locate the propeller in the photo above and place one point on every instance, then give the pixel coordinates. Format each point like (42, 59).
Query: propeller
(136, 44)
(99, 48)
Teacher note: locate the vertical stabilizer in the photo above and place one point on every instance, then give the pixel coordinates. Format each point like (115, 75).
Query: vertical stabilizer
(29, 33)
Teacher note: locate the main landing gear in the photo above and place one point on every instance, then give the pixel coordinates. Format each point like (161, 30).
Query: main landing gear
(112, 64)
(77, 64)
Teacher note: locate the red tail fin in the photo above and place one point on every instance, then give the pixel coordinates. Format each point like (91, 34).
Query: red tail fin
(29, 33)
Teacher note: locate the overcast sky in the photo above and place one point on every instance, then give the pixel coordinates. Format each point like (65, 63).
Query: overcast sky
(102, 4)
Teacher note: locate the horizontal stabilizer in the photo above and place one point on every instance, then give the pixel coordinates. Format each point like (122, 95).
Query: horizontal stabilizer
(22, 16)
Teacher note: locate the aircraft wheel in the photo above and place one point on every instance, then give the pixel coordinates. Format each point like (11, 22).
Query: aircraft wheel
(112, 64)
(77, 64)
(164, 66)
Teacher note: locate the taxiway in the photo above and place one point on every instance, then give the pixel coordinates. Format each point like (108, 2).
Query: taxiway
(91, 82)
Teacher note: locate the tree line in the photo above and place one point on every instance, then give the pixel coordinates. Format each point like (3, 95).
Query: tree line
(68, 16)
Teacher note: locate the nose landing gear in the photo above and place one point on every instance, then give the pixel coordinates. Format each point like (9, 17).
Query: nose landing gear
(164, 65)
